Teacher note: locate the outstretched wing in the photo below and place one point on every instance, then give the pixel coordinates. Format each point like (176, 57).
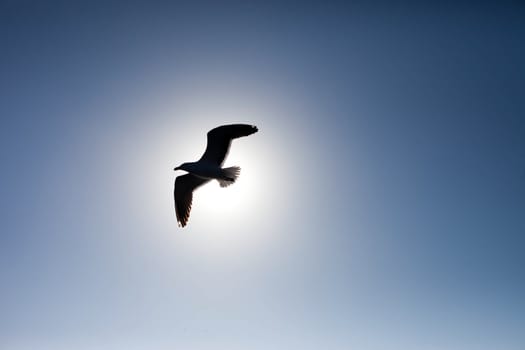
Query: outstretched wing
(219, 140)
(183, 194)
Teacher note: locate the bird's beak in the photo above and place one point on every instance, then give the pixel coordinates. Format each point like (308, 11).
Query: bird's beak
(177, 168)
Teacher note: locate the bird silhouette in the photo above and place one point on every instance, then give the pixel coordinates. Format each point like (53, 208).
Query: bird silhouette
(208, 167)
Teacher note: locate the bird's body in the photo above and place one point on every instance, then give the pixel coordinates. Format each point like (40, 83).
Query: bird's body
(205, 170)
(209, 167)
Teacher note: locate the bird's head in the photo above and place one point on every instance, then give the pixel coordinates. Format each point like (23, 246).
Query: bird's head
(183, 166)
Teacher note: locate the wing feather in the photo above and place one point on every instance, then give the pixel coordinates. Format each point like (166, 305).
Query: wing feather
(219, 141)
(183, 195)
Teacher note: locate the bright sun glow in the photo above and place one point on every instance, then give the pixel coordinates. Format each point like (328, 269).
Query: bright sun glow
(239, 217)
(227, 216)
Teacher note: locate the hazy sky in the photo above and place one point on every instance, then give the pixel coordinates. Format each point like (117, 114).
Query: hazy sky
(381, 206)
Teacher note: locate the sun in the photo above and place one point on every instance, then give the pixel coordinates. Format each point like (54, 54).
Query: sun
(235, 203)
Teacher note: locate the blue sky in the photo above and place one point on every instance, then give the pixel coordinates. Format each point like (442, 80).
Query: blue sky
(381, 205)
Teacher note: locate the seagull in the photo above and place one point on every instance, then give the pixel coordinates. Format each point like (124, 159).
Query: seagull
(209, 167)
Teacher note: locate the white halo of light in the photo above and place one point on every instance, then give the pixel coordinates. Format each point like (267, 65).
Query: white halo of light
(224, 220)
(234, 221)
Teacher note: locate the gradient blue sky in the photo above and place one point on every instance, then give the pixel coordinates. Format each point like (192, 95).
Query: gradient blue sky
(381, 205)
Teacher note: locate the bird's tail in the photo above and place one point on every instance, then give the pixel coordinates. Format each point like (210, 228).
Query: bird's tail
(229, 176)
